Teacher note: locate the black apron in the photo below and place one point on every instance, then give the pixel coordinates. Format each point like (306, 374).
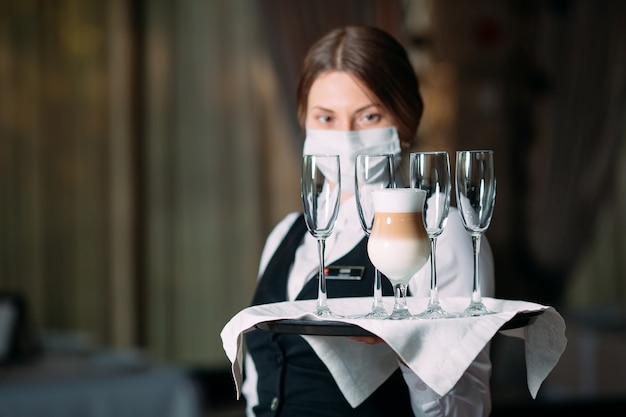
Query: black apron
(292, 380)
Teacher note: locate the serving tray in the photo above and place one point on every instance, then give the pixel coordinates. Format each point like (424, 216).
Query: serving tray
(338, 328)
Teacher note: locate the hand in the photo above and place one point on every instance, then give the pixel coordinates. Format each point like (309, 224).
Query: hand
(370, 340)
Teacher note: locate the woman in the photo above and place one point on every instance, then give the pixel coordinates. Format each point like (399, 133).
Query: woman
(357, 87)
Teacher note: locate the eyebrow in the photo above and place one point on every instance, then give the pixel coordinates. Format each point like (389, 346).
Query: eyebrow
(322, 109)
(359, 110)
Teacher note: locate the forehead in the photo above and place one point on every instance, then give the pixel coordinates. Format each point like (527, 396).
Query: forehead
(339, 89)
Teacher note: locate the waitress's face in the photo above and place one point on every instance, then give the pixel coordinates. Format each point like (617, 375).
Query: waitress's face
(340, 101)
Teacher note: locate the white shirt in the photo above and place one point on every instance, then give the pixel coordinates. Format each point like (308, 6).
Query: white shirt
(471, 395)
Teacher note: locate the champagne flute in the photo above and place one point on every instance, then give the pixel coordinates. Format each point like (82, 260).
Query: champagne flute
(476, 197)
(372, 172)
(430, 171)
(321, 188)
(398, 244)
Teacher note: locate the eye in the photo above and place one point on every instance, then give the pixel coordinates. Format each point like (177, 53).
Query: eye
(324, 119)
(370, 118)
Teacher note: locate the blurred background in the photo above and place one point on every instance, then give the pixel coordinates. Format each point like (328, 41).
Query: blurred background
(147, 147)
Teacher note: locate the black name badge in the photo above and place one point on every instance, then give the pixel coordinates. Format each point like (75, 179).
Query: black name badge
(349, 273)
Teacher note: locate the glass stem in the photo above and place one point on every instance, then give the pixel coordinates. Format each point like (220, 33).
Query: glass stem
(322, 303)
(476, 297)
(434, 297)
(378, 290)
(400, 297)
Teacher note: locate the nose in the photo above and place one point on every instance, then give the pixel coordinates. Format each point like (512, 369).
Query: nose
(345, 124)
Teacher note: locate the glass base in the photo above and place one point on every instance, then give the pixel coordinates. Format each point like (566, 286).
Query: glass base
(377, 313)
(435, 312)
(476, 309)
(398, 314)
(400, 310)
(325, 311)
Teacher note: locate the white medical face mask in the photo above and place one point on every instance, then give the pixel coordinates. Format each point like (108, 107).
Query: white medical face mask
(348, 144)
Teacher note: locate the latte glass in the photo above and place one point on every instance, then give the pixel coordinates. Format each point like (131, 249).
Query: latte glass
(398, 245)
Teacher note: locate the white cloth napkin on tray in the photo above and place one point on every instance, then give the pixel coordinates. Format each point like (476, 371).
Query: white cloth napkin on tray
(438, 351)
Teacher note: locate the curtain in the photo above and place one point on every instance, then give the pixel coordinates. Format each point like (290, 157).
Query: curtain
(202, 163)
(65, 155)
(580, 125)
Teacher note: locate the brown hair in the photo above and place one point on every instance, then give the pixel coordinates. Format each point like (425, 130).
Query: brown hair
(379, 61)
